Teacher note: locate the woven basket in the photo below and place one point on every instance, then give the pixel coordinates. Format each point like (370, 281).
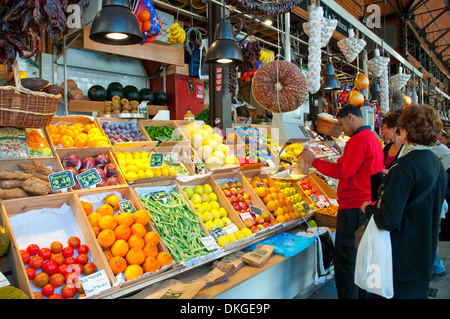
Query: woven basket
(325, 220)
(328, 127)
(20, 107)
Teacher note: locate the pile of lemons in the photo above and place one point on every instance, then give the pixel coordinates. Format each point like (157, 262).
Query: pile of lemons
(136, 165)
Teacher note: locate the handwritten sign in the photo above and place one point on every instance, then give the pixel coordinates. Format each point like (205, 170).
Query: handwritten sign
(157, 160)
(216, 232)
(317, 201)
(89, 178)
(210, 243)
(95, 283)
(200, 165)
(127, 207)
(255, 210)
(306, 207)
(61, 180)
(160, 195)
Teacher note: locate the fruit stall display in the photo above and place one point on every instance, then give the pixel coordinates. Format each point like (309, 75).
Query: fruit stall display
(166, 133)
(123, 131)
(212, 207)
(178, 226)
(51, 243)
(124, 233)
(100, 158)
(256, 148)
(291, 152)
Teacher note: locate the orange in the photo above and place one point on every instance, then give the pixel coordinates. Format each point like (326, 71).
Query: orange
(151, 237)
(94, 219)
(297, 214)
(272, 206)
(267, 198)
(124, 219)
(142, 216)
(274, 196)
(279, 211)
(106, 238)
(285, 209)
(113, 201)
(108, 254)
(261, 191)
(107, 222)
(281, 219)
(150, 264)
(164, 258)
(117, 264)
(273, 189)
(135, 256)
(133, 272)
(265, 181)
(288, 217)
(122, 232)
(136, 241)
(281, 196)
(120, 248)
(293, 216)
(256, 178)
(146, 25)
(87, 207)
(105, 209)
(289, 203)
(138, 229)
(144, 15)
(150, 250)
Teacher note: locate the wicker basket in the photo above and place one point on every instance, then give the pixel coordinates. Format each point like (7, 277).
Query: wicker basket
(328, 127)
(20, 107)
(325, 220)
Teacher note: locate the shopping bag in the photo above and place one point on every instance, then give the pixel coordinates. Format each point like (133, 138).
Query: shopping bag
(373, 269)
(155, 22)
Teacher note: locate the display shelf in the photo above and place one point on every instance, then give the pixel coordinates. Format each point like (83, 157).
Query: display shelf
(86, 106)
(172, 124)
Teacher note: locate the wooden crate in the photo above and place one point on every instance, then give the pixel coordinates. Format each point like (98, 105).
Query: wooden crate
(146, 123)
(221, 199)
(139, 127)
(91, 151)
(325, 188)
(126, 193)
(16, 207)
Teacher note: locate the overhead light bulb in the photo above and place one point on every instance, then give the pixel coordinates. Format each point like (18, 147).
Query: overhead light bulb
(224, 61)
(268, 22)
(116, 36)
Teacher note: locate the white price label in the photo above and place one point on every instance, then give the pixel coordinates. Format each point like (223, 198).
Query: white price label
(209, 243)
(95, 283)
(3, 281)
(230, 229)
(244, 216)
(333, 202)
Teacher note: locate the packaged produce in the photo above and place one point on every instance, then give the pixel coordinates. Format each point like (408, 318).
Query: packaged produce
(13, 143)
(37, 143)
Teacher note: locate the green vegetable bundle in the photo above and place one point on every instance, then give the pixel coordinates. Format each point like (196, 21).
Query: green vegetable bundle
(177, 225)
(156, 132)
(203, 115)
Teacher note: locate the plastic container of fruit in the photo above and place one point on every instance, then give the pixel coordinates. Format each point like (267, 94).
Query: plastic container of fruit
(42, 221)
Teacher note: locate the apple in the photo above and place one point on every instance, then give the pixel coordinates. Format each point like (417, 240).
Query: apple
(227, 192)
(267, 224)
(233, 191)
(254, 229)
(240, 190)
(243, 205)
(266, 216)
(224, 186)
(237, 207)
(240, 198)
(234, 199)
(260, 226)
(259, 220)
(246, 196)
(249, 222)
(231, 184)
(248, 202)
(238, 184)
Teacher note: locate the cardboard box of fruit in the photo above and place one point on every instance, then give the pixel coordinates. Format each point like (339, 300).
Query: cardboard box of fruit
(53, 248)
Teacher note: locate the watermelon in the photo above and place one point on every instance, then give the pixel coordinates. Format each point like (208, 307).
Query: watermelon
(111, 91)
(131, 93)
(97, 93)
(116, 85)
(146, 95)
(160, 98)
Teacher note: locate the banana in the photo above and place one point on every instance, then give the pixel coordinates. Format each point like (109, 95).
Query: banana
(172, 27)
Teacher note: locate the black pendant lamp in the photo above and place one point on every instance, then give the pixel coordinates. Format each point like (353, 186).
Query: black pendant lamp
(329, 80)
(224, 51)
(115, 24)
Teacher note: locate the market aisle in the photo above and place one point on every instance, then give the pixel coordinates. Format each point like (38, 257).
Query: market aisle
(439, 286)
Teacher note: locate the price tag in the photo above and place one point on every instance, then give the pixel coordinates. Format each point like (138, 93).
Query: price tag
(316, 201)
(95, 283)
(255, 210)
(61, 180)
(230, 229)
(200, 165)
(333, 202)
(127, 207)
(216, 232)
(89, 178)
(162, 195)
(244, 216)
(261, 184)
(157, 160)
(209, 243)
(3, 281)
(306, 207)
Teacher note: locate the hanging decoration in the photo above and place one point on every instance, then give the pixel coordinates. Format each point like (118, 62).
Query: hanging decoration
(399, 80)
(355, 97)
(361, 81)
(266, 8)
(378, 64)
(384, 91)
(351, 46)
(279, 86)
(407, 101)
(327, 27)
(251, 51)
(314, 51)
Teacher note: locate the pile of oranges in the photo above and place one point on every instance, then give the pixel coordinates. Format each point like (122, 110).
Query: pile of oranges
(144, 20)
(128, 245)
(77, 135)
(276, 202)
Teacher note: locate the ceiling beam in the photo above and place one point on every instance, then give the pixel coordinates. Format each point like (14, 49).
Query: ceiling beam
(440, 37)
(418, 5)
(433, 19)
(409, 5)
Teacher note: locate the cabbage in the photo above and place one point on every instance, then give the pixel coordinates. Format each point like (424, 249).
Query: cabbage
(113, 181)
(110, 170)
(88, 162)
(101, 160)
(72, 160)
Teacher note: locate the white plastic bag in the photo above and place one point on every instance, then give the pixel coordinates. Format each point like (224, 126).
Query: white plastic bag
(373, 270)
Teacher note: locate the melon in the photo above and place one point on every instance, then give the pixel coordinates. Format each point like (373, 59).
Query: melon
(160, 98)
(225, 149)
(10, 292)
(112, 91)
(196, 140)
(146, 95)
(4, 241)
(204, 152)
(213, 162)
(217, 138)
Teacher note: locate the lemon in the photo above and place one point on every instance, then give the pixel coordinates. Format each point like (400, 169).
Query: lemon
(223, 241)
(218, 222)
(207, 206)
(207, 216)
(189, 191)
(209, 225)
(215, 213)
(246, 232)
(165, 172)
(196, 198)
(239, 235)
(128, 155)
(207, 189)
(132, 168)
(232, 237)
(198, 189)
(144, 154)
(226, 221)
(131, 176)
(119, 156)
(141, 174)
(136, 155)
(172, 171)
(200, 216)
(214, 205)
(157, 172)
(199, 208)
(223, 212)
(149, 172)
(212, 197)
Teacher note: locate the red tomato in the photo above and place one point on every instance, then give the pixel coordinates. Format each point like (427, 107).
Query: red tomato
(68, 291)
(96, 230)
(79, 287)
(71, 278)
(58, 259)
(83, 249)
(56, 247)
(62, 269)
(41, 280)
(36, 262)
(82, 259)
(48, 290)
(76, 268)
(31, 272)
(67, 252)
(50, 267)
(33, 249)
(25, 256)
(57, 280)
(45, 253)
(89, 268)
(74, 242)
(69, 261)
(55, 296)
(37, 295)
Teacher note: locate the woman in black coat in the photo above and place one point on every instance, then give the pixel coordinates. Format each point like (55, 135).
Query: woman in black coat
(410, 201)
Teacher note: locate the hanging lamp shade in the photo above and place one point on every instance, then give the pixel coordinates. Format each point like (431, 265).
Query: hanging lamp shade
(224, 51)
(115, 24)
(374, 91)
(329, 81)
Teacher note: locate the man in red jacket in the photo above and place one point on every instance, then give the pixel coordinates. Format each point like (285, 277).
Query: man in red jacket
(362, 157)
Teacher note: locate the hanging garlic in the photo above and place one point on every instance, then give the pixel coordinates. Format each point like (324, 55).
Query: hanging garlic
(351, 46)
(327, 27)
(377, 64)
(384, 91)
(314, 51)
(399, 80)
